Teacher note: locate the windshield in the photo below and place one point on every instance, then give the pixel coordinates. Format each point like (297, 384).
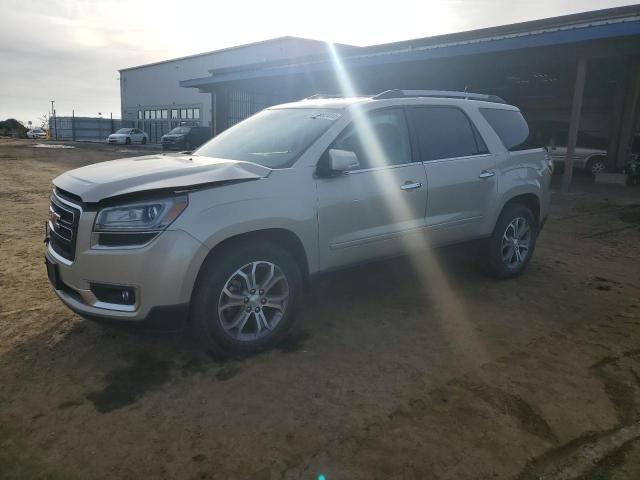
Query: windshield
(179, 131)
(124, 130)
(272, 138)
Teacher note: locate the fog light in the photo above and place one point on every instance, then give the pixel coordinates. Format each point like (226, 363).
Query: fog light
(114, 294)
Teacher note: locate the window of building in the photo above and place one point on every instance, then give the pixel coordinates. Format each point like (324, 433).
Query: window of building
(196, 113)
(189, 112)
(153, 114)
(140, 114)
(147, 114)
(174, 113)
(445, 132)
(158, 114)
(165, 114)
(183, 113)
(380, 139)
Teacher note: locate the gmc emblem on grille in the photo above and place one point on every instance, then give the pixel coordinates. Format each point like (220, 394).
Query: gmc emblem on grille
(54, 218)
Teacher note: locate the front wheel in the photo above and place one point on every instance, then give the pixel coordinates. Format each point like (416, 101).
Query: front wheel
(144, 140)
(511, 245)
(245, 299)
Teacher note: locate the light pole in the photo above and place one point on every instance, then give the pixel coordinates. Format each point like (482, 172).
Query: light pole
(55, 123)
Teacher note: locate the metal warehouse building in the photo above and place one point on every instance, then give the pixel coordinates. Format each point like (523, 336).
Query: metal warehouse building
(151, 95)
(579, 70)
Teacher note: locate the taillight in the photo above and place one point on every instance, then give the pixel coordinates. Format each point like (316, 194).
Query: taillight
(549, 160)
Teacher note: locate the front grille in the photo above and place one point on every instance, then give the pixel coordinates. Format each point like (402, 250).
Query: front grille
(63, 228)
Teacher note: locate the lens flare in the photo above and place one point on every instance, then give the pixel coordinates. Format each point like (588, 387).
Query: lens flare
(449, 305)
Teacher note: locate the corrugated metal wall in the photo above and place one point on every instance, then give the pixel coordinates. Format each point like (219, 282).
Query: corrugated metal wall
(244, 104)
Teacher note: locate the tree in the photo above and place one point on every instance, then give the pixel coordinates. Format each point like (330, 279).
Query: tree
(13, 128)
(44, 121)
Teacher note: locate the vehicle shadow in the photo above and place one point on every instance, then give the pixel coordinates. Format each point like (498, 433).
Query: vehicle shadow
(131, 362)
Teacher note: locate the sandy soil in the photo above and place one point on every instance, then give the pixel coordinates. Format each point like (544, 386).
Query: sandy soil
(408, 369)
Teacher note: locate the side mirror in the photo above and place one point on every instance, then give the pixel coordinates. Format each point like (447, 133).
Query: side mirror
(342, 160)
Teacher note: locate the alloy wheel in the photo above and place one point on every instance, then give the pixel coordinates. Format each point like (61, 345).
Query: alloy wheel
(253, 301)
(598, 167)
(516, 242)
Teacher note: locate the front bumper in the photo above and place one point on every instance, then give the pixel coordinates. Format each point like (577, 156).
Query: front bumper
(116, 141)
(173, 144)
(162, 274)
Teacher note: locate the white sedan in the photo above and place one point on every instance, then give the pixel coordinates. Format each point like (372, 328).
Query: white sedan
(36, 133)
(128, 136)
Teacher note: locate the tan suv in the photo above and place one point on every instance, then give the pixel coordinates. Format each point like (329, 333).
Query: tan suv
(227, 237)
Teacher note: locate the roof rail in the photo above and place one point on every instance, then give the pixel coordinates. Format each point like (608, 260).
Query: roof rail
(438, 94)
(332, 95)
(324, 95)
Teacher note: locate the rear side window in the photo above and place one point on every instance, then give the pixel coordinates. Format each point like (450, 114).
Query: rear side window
(445, 132)
(510, 126)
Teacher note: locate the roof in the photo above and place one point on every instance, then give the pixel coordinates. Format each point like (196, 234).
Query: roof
(599, 24)
(337, 103)
(235, 47)
(388, 98)
(531, 26)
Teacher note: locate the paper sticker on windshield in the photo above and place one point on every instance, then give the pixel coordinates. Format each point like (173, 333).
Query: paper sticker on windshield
(327, 115)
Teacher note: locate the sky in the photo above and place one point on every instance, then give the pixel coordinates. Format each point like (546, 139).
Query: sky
(71, 51)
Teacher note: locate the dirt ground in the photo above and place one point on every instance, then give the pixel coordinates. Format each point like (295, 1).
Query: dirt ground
(409, 369)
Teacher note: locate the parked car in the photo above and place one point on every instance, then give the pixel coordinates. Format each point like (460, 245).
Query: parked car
(128, 136)
(228, 237)
(36, 133)
(590, 153)
(185, 138)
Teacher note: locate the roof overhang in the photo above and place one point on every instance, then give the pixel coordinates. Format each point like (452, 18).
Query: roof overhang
(543, 37)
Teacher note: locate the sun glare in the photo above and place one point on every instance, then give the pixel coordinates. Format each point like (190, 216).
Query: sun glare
(450, 307)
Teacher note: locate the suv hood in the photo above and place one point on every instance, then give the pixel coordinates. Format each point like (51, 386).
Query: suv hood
(153, 172)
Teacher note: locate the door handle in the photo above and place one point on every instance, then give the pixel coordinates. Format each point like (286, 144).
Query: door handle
(485, 174)
(410, 186)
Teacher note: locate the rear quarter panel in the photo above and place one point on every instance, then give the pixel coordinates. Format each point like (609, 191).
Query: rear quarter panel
(524, 172)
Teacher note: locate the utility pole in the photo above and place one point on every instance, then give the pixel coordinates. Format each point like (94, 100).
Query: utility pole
(55, 123)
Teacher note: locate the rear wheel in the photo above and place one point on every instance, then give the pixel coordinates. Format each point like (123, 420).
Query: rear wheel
(596, 165)
(511, 245)
(245, 299)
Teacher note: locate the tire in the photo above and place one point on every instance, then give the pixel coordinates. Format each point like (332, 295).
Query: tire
(596, 165)
(497, 260)
(128, 141)
(144, 140)
(213, 311)
(187, 145)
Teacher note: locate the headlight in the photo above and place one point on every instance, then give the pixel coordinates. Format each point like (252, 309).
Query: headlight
(151, 215)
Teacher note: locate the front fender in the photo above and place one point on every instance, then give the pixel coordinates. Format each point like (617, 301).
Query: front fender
(217, 214)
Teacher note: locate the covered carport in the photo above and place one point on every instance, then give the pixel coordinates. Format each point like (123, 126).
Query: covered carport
(581, 72)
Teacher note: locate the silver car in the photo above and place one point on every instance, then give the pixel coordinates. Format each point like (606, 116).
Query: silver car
(589, 154)
(226, 238)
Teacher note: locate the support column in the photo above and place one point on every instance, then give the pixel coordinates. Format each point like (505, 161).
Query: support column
(631, 107)
(616, 120)
(574, 123)
(221, 117)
